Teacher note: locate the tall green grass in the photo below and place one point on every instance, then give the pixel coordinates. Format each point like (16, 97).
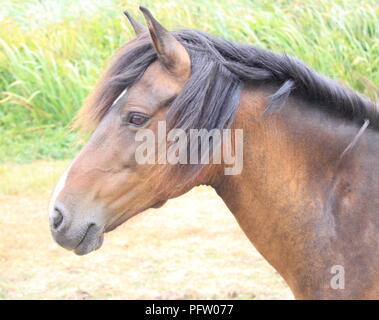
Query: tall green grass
(52, 52)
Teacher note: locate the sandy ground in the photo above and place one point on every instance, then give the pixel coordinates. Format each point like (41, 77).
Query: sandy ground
(192, 248)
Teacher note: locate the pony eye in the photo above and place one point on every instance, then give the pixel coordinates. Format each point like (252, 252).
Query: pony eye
(136, 119)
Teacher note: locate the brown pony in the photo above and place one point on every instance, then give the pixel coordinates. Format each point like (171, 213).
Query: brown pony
(307, 196)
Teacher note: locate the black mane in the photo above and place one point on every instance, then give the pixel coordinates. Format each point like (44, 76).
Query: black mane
(219, 69)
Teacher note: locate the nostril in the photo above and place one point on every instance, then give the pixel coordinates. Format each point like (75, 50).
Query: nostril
(57, 218)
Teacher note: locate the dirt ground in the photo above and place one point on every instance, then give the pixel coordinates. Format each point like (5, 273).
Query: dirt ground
(192, 248)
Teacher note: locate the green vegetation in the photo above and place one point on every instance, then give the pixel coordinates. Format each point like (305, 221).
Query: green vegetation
(52, 52)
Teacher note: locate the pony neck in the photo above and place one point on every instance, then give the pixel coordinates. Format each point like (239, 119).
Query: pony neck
(297, 203)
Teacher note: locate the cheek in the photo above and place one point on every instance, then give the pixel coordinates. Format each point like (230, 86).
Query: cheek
(126, 154)
(129, 189)
(123, 191)
(118, 149)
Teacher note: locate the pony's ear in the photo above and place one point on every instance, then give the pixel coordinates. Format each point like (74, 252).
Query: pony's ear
(137, 27)
(171, 53)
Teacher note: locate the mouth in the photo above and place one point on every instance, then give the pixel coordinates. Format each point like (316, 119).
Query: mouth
(91, 240)
(94, 235)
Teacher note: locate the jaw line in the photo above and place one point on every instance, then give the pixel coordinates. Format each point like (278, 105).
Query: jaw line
(118, 221)
(122, 219)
